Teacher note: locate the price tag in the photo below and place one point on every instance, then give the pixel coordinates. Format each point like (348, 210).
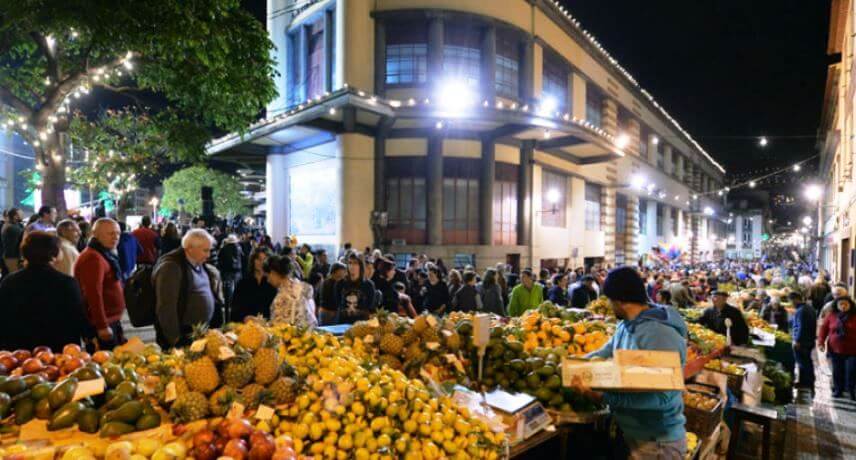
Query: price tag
(88, 388)
(374, 322)
(455, 361)
(432, 321)
(264, 412)
(236, 411)
(171, 393)
(198, 345)
(433, 346)
(226, 353)
(447, 332)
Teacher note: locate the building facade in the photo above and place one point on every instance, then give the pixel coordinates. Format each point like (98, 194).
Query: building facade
(15, 157)
(837, 207)
(474, 131)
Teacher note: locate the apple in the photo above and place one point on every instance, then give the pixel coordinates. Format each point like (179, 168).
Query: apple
(51, 372)
(236, 448)
(239, 428)
(9, 361)
(71, 365)
(204, 452)
(22, 355)
(101, 356)
(72, 349)
(32, 365)
(46, 357)
(203, 437)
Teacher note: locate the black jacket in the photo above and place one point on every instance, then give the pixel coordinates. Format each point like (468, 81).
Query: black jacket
(40, 306)
(558, 295)
(436, 296)
(12, 235)
(229, 259)
(252, 298)
(466, 299)
(714, 320)
(356, 300)
(581, 296)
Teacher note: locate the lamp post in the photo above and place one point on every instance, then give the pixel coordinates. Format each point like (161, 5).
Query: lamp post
(154, 204)
(813, 193)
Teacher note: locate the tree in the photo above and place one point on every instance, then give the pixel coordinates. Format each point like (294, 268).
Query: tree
(194, 67)
(187, 183)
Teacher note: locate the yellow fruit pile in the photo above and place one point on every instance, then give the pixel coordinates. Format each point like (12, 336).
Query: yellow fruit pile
(600, 306)
(692, 443)
(725, 367)
(699, 401)
(349, 411)
(579, 338)
(705, 340)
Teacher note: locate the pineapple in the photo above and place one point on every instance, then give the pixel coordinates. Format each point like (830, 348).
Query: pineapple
(201, 374)
(390, 361)
(252, 336)
(239, 370)
(429, 335)
(255, 394)
(391, 343)
(413, 352)
(420, 324)
(409, 336)
(189, 407)
(221, 400)
(284, 390)
(266, 362)
(453, 341)
(214, 339)
(359, 330)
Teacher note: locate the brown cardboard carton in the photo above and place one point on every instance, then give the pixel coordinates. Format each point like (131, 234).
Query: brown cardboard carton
(629, 370)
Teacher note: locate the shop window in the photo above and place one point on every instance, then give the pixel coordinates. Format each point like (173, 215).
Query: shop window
(555, 80)
(460, 201)
(406, 54)
(660, 219)
(406, 201)
(675, 221)
(505, 204)
(462, 54)
(592, 207)
(554, 191)
(507, 76)
(643, 217)
(594, 105)
(620, 214)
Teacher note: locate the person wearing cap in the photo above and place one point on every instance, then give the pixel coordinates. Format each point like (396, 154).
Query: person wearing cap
(714, 318)
(803, 335)
(652, 422)
(583, 293)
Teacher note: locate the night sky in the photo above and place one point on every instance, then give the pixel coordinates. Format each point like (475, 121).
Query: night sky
(727, 70)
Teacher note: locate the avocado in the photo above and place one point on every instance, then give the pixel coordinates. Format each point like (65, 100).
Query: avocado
(148, 421)
(66, 416)
(5, 404)
(41, 391)
(111, 429)
(87, 420)
(62, 393)
(24, 411)
(43, 409)
(127, 413)
(13, 386)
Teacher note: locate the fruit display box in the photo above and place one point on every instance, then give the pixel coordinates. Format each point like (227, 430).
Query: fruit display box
(629, 370)
(692, 368)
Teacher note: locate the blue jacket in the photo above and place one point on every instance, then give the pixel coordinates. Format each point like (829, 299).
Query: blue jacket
(804, 330)
(127, 249)
(650, 415)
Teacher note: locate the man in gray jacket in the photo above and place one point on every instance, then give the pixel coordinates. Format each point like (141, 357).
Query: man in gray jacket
(188, 291)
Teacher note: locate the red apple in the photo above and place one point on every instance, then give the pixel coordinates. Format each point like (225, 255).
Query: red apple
(86, 357)
(51, 372)
(9, 361)
(203, 437)
(22, 355)
(71, 365)
(71, 349)
(236, 448)
(204, 452)
(40, 349)
(33, 365)
(46, 357)
(239, 428)
(101, 356)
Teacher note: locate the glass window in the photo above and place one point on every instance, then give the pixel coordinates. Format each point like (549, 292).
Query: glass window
(507, 66)
(594, 104)
(555, 80)
(620, 214)
(675, 165)
(643, 217)
(644, 136)
(460, 210)
(505, 205)
(462, 53)
(296, 83)
(592, 207)
(315, 59)
(661, 158)
(406, 54)
(554, 191)
(406, 199)
(660, 218)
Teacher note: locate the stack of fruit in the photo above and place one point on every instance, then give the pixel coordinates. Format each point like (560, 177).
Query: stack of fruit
(725, 367)
(122, 409)
(703, 339)
(44, 362)
(692, 444)
(412, 345)
(700, 401)
(753, 320)
(600, 307)
(538, 331)
(550, 310)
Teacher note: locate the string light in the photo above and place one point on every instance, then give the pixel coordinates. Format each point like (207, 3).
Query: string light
(797, 167)
(763, 141)
(752, 184)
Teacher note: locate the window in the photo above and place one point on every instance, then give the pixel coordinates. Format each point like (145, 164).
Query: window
(644, 136)
(594, 104)
(406, 199)
(406, 54)
(507, 66)
(592, 207)
(505, 204)
(462, 54)
(296, 83)
(643, 217)
(675, 221)
(660, 218)
(747, 233)
(554, 191)
(661, 160)
(555, 80)
(620, 214)
(676, 168)
(460, 201)
(315, 59)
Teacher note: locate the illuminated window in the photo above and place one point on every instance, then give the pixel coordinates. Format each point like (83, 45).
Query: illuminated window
(554, 191)
(507, 82)
(555, 79)
(505, 204)
(592, 207)
(462, 54)
(460, 201)
(406, 54)
(594, 104)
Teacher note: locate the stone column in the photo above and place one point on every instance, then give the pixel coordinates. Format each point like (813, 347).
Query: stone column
(607, 223)
(487, 177)
(436, 27)
(488, 64)
(524, 193)
(609, 117)
(694, 240)
(631, 243)
(434, 190)
(380, 58)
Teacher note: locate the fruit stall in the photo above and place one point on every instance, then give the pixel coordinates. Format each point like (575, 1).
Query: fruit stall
(388, 387)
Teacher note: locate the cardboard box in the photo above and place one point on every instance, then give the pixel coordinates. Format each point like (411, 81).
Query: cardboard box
(629, 370)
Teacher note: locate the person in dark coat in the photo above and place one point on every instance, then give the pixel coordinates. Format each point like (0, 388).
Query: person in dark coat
(40, 306)
(127, 249)
(803, 336)
(467, 298)
(229, 264)
(558, 293)
(583, 293)
(775, 313)
(253, 294)
(714, 318)
(436, 299)
(355, 295)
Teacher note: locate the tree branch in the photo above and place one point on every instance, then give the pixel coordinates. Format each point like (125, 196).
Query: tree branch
(8, 98)
(50, 55)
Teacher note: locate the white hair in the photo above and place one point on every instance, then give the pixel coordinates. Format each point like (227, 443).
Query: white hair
(194, 236)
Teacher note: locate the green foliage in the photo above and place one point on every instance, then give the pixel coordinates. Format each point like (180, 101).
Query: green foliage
(187, 183)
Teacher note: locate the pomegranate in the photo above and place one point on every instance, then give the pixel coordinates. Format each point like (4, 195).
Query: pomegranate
(51, 372)
(71, 349)
(46, 357)
(33, 365)
(22, 355)
(236, 448)
(9, 362)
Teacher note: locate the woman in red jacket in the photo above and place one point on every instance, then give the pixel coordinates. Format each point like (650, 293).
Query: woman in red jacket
(839, 327)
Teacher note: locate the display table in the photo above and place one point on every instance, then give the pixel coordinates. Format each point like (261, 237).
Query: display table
(540, 438)
(691, 368)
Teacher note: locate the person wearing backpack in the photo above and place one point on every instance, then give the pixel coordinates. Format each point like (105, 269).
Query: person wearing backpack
(230, 266)
(187, 290)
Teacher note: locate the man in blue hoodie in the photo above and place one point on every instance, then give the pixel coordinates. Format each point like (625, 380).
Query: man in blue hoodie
(653, 421)
(804, 334)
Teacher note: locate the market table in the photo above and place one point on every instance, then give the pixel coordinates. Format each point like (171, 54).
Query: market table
(540, 438)
(692, 368)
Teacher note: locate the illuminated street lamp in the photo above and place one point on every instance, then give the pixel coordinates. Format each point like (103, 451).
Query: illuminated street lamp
(154, 204)
(813, 192)
(807, 221)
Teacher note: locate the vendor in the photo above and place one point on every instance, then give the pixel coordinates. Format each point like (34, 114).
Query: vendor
(714, 318)
(652, 422)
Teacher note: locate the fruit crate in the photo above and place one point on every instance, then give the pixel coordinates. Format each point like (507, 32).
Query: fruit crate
(699, 421)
